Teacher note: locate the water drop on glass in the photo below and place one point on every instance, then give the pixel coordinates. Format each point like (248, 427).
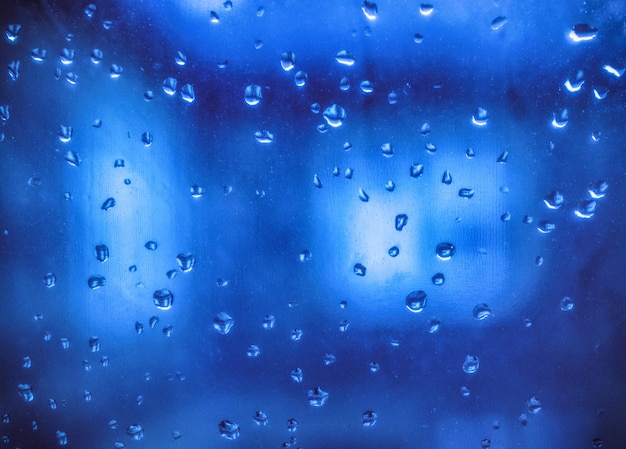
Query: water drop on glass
(115, 71)
(613, 71)
(367, 87)
(187, 93)
(96, 281)
(392, 98)
(585, 209)
(12, 32)
(288, 60)
(163, 299)
(253, 94)
(169, 86)
(38, 54)
(14, 70)
(185, 262)
(446, 178)
(498, 23)
(223, 323)
(554, 200)
(344, 57)
(148, 95)
(334, 115)
(426, 9)
(65, 133)
(369, 9)
(438, 279)
(296, 375)
(503, 157)
(300, 78)
(305, 256)
(269, 321)
(264, 136)
(567, 304)
(430, 148)
(49, 280)
(418, 38)
(197, 191)
(393, 251)
(26, 392)
(363, 196)
(359, 269)
(471, 363)
(480, 117)
(135, 432)
(560, 119)
(61, 437)
(545, 227)
(253, 351)
(445, 250)
(390, 186)
(387, 149)
(213, 17)
(228, 429)
(296, 334)
(433, 325)
(329, 359)
(582, 32)
(180, 59)
(533, 405)
(481, 312)
(67, 56)
(401, 221)
(368, 418)
(315, 108)
(260, 418)
(416, 170)
(151, 245)
(416, 301)
(317, 397)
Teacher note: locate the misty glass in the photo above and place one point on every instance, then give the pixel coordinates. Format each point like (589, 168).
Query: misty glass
(312, 224)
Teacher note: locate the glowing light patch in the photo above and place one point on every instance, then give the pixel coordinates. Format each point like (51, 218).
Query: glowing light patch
(575, 87)
(617, 73)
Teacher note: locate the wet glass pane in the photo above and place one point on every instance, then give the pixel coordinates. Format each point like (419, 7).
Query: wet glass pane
(322, 224)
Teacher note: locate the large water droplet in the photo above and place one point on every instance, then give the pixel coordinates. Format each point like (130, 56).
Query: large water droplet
(344, 57)
(416, 301)
(253, 94)
(334, 115)
(445, 250)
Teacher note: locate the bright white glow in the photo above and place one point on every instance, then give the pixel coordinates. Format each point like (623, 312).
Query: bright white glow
(573, 87)
(576, 38)
(617, 73)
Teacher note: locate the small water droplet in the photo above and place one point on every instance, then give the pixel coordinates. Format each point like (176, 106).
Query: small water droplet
(288, 60)
(387, 149)
(108, 204)
(334, 115)
(187, 93)
(115, 71)
(253, 94)
(72, 158)
(446, 178)
(264, 136)
(344, 57)
(466, 193)
(96, 281)
(471, 363)
(169, 86)
(560, 119)
(582, 32)
(438, 279)
(316, 181)
(481, 312)
(416, 301)
(12, 32)
(445, 251)
(390, 186)
(300, 78)
(38, 54)
(545, 227)
(368, 418)
(503, 157)
(480, 117)
(426, 9)
(393, 251)
(401, 221)
(180, 58)
(360, 269)
(223, 323)
(369, 9)
(416, 170)
(317, 397)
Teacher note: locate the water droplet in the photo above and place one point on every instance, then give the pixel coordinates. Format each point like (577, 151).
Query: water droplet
(545, 227)
(418, 38)
(480, 117)
(390, 186)
(369, 9)
(533, 405)
(334, 115)
(465, 391)
(438, 279)
(148, 95)
(264, 136)
(416, 170)
(503, 157)
(26, 392)
(4, 112)
(12, 32)
(316, 108)
(169, 86)
(613, 71)
(498, 23)
(71, 78)
(360, 269)
(102, 253)
(34, 181)
(27, 362)
(14, 70)
(67, 56)
(554, 200)
(300, 78)
(61, 437)
(297, 375)
(72, 158)
(363, 196)
(329, 359)
(180, 59)
(485, 443)
(387, 149)
(416, 301)
(433, 325)
(163, 299)
(317, 397)
(481, 312)
(392, 98)
(185, 262)
(567, 304)
(430, 148)
(214, 18)
(138, 328)
(344, 57)
(187, 93)
(96, 281)
(223, 323)
(65, 133)
(269, 321)
(260, 418)
(466, 193)
(598, 189)
(135, 432)
(505, 217)
(539, 261)
(393, 251)
(151, 245)
(253, 94)
(470, 153)
(426, 9)
(401, 221)
(446, 178)
(229, 429)
(197, 191)
(470, 365)
(38, 54)
(445, 250)
(344, 325)
(560, 119)
(305, 256)
(115, 71)
(575, 82)
(288, 60)
(253, 351)
(94, 344)
(585, 209)
(367, 87)
(582, 32)
(368, 418)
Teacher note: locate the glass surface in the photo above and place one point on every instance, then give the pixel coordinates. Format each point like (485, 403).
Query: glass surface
(312, 224)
